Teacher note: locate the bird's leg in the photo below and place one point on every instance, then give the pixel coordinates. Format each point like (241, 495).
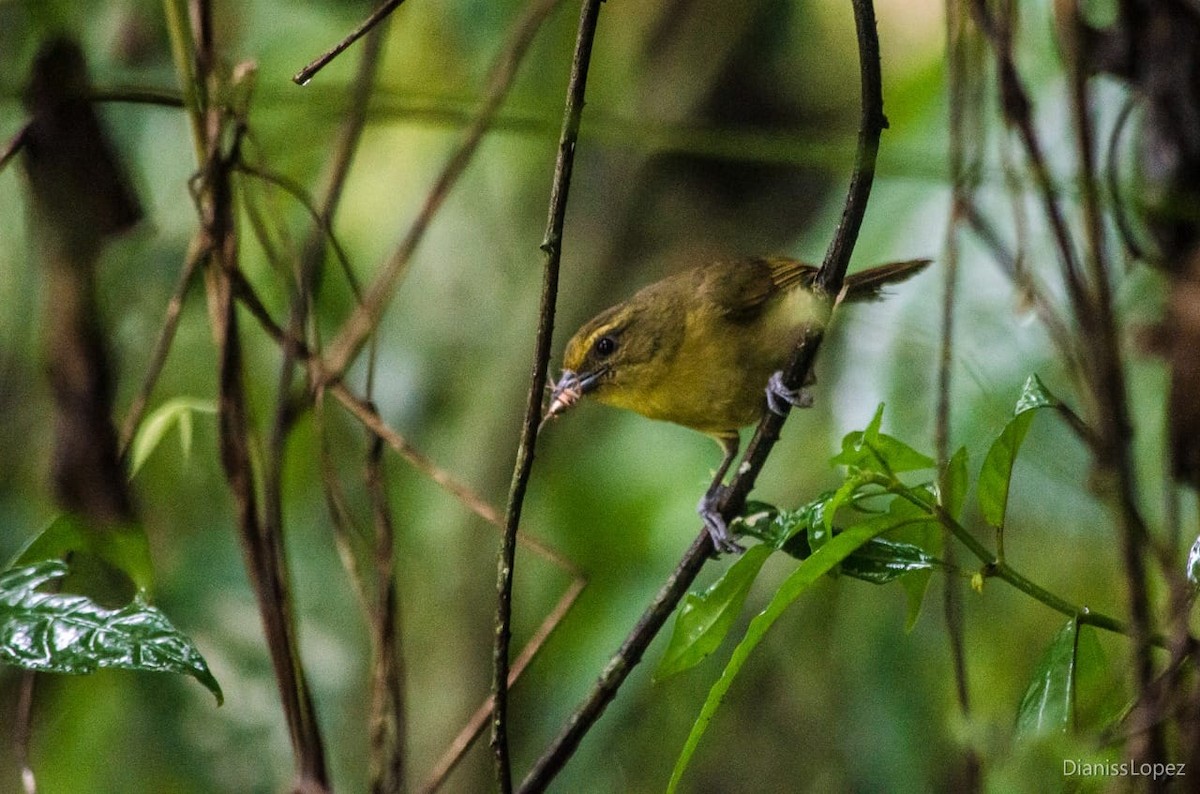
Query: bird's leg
(778, 394)
(718, 530)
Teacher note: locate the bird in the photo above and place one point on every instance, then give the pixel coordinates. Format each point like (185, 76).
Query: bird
(704, 348)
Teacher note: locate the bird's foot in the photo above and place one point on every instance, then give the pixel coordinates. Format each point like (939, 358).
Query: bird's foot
(778, 394)
(714, 522)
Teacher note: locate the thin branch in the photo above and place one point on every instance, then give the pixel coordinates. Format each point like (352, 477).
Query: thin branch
(523, 467)
(581, 720)
(370, 418)
(366, 413)
(1113, 409)
(321, 216)
(830, 278)
(994, 566)
(359, 326)
(14, 146)
(339, 512)
(388, 726)
(1017, 109)
(1113, 172)
(1057, 328)
(139, 96)
(196, 254)
(261, 536)
(957, 43)
(305, 75)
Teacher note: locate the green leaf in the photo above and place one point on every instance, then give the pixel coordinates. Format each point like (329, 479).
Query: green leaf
(61, 633)
(880, 561)
(925, 532)
(158, 424)
(996, 475)
(1099, 696)
(785, 530)
(855, 454)
(909, 554)
(956, 483)
(1047, 704)
(820, 563)
(873, 451)
(1034, 394)
(898, 456)
(849, 490)
(108, 563)
(704, 620)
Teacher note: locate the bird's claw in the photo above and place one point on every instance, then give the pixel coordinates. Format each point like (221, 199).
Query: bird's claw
(778, 394)
(714, 522)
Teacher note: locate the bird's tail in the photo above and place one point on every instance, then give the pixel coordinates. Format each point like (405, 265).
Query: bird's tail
(868, 285)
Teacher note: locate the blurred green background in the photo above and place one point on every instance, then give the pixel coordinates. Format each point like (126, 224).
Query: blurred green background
(711, 127)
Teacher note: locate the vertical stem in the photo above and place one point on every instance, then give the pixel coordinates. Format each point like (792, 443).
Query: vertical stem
(261, 535)
(552, 247)
(1112, 404)
(956, 44)
(387, 726)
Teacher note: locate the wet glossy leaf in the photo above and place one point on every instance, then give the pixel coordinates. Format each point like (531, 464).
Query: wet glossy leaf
(880, 561)
(1046, 705)
(996, 475)
(704, 620)
(786, 530)
(1034, 394)
(62, 633)
(820, 563)
(758, 520)
(1193, 564)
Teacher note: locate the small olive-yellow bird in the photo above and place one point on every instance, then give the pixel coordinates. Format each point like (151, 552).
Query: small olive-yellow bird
(703, 348)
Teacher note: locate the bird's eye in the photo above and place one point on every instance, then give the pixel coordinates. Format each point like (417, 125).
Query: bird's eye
(605, 346)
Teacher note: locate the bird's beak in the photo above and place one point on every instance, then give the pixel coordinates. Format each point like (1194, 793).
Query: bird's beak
(570, 387)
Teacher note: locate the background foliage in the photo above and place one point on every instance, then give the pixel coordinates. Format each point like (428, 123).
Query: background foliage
(711, 127)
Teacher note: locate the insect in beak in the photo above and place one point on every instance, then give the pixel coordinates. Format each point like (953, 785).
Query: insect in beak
(563, 395)
(569, 389)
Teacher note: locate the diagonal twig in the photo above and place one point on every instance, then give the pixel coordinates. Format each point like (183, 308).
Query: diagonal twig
(305, 75)
(197, 253)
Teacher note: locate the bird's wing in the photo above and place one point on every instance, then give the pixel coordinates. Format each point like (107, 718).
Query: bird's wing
(742, 288)
(788, 273)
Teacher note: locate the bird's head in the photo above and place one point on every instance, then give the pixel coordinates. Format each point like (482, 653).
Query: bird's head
(611, 357)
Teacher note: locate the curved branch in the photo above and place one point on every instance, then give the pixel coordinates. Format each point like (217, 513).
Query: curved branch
(552, 247)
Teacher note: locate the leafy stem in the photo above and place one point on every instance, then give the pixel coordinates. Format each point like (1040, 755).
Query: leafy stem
(995, 566)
